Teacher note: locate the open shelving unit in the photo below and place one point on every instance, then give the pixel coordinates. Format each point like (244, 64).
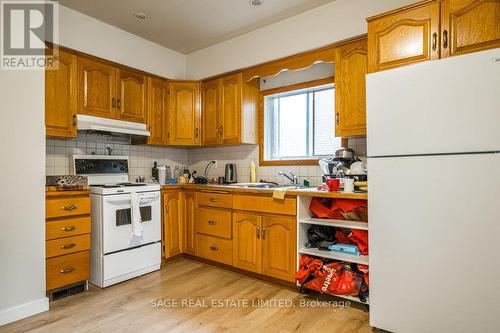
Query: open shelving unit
(305, 219)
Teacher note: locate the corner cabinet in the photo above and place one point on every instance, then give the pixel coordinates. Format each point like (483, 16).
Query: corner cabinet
(469, 25)
(158, 111)
(350, 89)
(229, 110)
(172, 227)
(61, 96)
(431, 30)
(184, 120)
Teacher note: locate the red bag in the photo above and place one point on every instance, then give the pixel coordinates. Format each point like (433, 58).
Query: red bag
(338, 279)
(308, 266)
(360, 238)
(333, 209)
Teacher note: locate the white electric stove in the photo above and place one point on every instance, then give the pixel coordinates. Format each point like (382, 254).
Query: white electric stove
(116, 254)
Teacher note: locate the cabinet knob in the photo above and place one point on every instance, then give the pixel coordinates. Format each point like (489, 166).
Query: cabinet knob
(258, 232)
(212, 222)
(119, 103)
(74, 120)
(263, 233)
(337, 118)
(197, 132)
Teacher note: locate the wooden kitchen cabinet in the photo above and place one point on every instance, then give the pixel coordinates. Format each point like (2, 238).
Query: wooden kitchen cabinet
(210, 129)
(350, 89)
(184, 119)
(469, 25)
(229, 110)
(61, 96)
(278, 247)
(246, 242)
(189, 245)
(131, 95)
(404, 36)
(96, 88)
(158, 111)
(172, 228)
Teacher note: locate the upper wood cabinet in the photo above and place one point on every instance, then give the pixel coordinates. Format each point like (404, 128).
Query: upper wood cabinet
(184, 107)
(96, 88)
(132, 96)
(229, 110)
(404, 37)
(469, 25)
(210, 129)
(61, 97)
(350, 89)
(431, 30)
(158, 111)
(172, 223)
(189, 245)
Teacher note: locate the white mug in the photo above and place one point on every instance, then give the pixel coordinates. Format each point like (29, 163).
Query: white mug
(348, 185)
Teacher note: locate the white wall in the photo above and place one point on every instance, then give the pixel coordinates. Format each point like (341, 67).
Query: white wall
(324, 25)
(22, 202)
(86, 34)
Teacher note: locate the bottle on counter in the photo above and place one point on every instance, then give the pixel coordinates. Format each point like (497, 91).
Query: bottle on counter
(253, 177)
(162, 175)
(168, 173)
(177, 172)
(154, 171)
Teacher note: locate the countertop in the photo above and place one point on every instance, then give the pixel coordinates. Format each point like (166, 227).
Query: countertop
(310, 191)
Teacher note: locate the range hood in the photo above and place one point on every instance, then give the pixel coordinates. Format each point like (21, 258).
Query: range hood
(90, 123)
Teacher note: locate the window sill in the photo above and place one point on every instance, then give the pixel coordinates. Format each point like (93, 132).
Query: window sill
(289, 162)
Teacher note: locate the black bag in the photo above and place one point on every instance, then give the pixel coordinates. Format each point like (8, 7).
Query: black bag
(317, 234)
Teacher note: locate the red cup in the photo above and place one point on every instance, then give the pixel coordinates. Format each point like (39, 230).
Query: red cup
(332, 184)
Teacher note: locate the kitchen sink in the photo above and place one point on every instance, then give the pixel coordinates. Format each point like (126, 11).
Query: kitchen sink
(264, 185)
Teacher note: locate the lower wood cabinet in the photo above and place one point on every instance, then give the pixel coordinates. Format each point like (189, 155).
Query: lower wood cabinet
(172, 228)
(265, 244)
(215, 249)
(189, 245)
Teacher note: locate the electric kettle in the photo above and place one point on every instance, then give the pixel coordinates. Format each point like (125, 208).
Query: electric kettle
(230, 173)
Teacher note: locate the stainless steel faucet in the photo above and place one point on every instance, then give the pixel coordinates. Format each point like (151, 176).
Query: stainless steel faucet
(292, 177)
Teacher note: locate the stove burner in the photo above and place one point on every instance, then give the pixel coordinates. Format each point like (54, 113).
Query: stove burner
(134, 184)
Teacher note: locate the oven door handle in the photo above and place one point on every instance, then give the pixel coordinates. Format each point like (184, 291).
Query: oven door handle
(126, 200)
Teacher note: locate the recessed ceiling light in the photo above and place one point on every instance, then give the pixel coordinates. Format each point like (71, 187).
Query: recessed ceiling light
(256, 3)
(140, 16)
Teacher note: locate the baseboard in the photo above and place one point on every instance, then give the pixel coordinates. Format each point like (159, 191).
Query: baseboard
(24, 310)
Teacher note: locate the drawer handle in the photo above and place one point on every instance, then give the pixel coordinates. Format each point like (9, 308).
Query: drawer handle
(213, 200)
(70, 228)
(70, 208)
(263, 233)
(214, 248)
(212, 222)
(67, 270)
(68, 246)
(258, 232)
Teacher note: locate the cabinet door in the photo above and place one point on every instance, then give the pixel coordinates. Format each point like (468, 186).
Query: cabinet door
(278, 247)
(189, 218)
(171, 223)
(247, 242)
(132, 95)
(61, 97)
(184, 120)
(404, 37)
(350, 89)
(157, 106)
(210, 113)
(96, 88)
(469, 25)
(230, 105)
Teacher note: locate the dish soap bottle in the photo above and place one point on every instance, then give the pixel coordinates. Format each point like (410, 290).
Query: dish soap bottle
(253, 178)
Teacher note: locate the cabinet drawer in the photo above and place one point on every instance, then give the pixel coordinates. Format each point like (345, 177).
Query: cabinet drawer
(68, 269)
(214, 222)
(67, 245)
(263, 204)
(216, 249)
(67, 227)
(70, 206)
(210, 199)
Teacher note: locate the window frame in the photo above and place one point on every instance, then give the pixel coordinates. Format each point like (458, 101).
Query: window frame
(263, 94)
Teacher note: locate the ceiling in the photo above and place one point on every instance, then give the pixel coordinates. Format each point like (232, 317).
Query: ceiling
(189, 25)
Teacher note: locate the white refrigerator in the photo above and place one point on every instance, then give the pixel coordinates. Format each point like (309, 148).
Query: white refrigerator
(433, 135)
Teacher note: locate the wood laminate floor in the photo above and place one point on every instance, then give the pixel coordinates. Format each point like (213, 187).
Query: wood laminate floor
(179, 297)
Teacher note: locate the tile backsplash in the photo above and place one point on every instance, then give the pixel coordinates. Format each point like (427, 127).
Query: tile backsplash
(142, 158)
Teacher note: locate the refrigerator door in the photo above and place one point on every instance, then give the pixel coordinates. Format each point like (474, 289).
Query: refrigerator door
(445, 106)
(434, 233)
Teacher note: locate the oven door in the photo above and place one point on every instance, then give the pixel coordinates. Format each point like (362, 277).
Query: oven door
(117, 224)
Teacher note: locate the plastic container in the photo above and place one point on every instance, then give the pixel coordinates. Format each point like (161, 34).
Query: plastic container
(162, 174)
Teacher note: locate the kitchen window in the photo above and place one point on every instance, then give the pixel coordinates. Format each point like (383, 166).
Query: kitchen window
(299, 125)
